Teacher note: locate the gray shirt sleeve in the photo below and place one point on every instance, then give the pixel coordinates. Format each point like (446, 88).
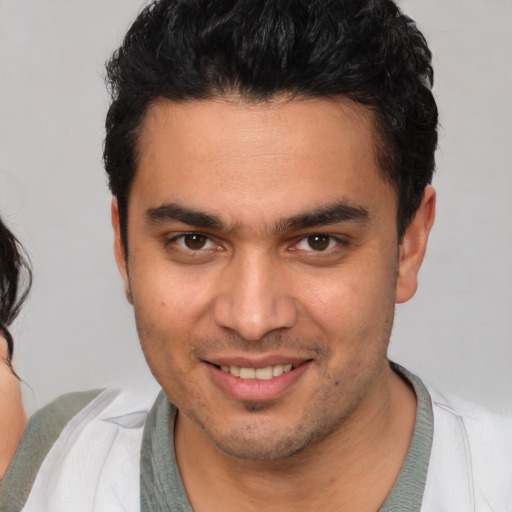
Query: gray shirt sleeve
(41, 432)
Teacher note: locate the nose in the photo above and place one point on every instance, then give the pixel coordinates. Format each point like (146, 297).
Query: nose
(254, 298)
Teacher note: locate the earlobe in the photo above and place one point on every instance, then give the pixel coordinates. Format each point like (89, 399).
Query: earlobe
(413, 246)
(119, 252)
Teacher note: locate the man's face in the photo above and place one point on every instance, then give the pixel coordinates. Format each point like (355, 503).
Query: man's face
(263, 263)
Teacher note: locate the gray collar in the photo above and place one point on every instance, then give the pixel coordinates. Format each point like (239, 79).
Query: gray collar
(161, 487)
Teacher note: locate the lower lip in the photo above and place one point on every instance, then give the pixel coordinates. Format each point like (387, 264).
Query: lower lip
(254, 390)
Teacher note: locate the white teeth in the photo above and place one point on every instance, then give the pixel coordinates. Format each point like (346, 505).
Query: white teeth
(247, 373)
(277, 370)
(266, 373)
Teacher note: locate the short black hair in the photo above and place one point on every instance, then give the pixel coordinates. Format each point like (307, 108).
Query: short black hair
(363, 50)
(15, 281)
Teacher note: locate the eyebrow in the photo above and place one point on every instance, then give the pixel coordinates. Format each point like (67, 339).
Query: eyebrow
(341, 211)
(174, 212)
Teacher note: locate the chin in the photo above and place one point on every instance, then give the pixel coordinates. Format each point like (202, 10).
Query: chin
(266, 441)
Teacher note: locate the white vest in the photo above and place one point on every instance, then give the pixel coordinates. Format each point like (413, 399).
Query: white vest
(94, 465)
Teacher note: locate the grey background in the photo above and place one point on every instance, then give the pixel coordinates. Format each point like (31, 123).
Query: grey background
(77, 332)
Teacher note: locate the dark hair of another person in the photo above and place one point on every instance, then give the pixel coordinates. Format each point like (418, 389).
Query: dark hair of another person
(15, 280)
(363, 50)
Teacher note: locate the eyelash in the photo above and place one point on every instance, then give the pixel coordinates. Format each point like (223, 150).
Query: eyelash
(174, 240)
(339, 243)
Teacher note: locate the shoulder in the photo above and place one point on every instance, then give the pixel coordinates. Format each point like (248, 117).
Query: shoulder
(95, 432)
(484, 429)
(41, 432)
(471, 455)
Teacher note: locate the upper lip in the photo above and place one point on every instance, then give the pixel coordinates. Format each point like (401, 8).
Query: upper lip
(256, 361)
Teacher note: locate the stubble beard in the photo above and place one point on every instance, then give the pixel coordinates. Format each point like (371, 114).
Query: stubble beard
(259, 439)
(253, 443)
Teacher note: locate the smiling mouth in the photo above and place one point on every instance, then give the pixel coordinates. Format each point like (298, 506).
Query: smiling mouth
(257, 381)
(265, 373)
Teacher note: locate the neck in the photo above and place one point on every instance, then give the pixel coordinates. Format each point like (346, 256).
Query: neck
(354, 467)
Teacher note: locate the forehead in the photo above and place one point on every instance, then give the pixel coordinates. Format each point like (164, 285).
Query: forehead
(304, 152)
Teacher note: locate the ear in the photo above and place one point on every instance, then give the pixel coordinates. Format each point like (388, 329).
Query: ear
(121, 260)
(413, 246)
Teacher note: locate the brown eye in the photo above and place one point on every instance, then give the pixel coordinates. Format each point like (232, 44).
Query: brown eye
(319, 242)
(195, 242)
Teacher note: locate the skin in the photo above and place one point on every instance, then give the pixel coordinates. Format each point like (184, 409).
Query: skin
(256, 287)
(12, 419)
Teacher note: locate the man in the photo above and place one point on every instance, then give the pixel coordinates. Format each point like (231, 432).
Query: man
(270, 164)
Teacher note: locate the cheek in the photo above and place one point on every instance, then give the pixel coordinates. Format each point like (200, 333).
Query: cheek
(171, 309)
(169, 296)
(352, 303)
